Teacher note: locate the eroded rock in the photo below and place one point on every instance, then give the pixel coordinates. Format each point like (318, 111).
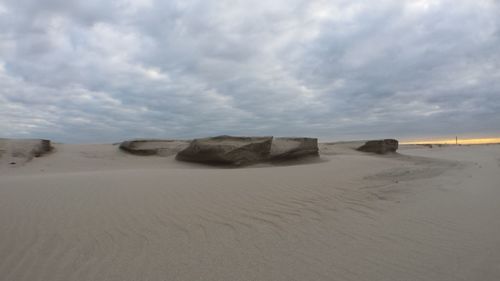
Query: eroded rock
(154, 147)
(380, 146)
(23, 150)
(293, 148)
(227, 150)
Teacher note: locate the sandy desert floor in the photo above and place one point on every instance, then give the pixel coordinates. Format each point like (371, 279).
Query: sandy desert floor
(91, 212)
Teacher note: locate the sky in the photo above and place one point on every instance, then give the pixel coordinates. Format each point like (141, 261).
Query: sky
(105, 71)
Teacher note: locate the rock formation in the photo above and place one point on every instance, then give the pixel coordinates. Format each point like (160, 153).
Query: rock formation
(293, 148)
(20, 151)
(227, 150)
(248, 150)
(380, 146)
(154, 147)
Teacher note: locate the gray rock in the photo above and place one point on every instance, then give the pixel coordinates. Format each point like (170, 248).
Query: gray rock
(227, 150)
(153, 147)
(41, 147)
(380, 146)
(23, 150)
(293, 148)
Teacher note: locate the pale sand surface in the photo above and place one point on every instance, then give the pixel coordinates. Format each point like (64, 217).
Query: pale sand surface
(91, 212)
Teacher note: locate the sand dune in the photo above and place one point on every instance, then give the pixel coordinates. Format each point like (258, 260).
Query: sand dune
(91, 212)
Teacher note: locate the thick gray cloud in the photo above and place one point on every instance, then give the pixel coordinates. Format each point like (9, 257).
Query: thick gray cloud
(92, 71)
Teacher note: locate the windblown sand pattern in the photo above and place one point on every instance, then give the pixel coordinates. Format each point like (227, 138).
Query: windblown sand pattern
(91, 212)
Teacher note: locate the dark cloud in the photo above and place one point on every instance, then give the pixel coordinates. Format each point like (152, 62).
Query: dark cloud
(85, 71)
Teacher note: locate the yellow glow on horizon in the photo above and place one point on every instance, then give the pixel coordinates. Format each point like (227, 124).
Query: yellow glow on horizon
(452, 141)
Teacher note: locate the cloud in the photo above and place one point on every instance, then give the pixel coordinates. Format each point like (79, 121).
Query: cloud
(90, 71)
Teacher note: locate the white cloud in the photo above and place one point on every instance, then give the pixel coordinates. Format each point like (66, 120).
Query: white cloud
(105, 71)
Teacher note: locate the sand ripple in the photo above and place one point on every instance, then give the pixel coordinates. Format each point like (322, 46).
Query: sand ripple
(353, 217)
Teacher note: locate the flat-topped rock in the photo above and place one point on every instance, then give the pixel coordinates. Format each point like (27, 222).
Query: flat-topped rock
(20, 151)
(380, 146)
(293, 148)
(227, 150)
(154, 147)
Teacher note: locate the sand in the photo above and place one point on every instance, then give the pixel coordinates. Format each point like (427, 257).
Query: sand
(92, 212)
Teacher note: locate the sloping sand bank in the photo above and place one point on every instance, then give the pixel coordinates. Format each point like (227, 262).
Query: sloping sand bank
(91, 212)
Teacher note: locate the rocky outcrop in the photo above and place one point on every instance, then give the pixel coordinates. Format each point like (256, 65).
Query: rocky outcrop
(248, 150)
(20, 151)
(40, 147)
(380, 146)
(227, 150)
(293, 148)
(153, 147)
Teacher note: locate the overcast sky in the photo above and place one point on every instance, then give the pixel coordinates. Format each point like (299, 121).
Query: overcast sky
(101, 71)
